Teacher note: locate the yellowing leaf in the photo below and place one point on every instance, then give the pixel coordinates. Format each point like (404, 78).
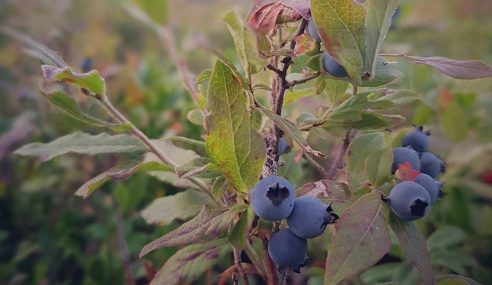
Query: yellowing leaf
(232, 143)
(341, 25)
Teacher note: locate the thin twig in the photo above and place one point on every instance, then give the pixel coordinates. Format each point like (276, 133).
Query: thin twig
(123, 244)
(339, 160)
(239, 267)
(320, 168)
(304, 80)
(138, 133)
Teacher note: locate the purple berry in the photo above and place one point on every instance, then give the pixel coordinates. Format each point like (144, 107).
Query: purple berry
(431, 165)
(273, 198)
(333, 67)
(310, 217)
(431, 185)
(409, 200)
(401, 155)
(287, 250)
(417, 139)
(313, 30)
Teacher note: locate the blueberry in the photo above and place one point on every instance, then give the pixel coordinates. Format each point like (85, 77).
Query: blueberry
(409, 200)
(283, 147)
(287, 250)
(431, 185)
(431, 165)
(313, 30)
(333, 67)
(273, 198)
(405, 154)
(87, 65)
(417, 139)
(310, 217)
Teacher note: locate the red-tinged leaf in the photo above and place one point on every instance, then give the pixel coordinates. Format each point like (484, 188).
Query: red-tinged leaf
(414, 247)
(361, 239)
(207, 225)
(406, 172)
(304, 43)
(191, 262)
(324, 189)
(459, 69)
(266, 13)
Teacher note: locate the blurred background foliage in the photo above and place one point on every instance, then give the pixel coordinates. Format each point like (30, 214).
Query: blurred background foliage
(49, 236)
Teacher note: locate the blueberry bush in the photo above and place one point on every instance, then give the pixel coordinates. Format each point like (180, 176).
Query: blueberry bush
(302, 166)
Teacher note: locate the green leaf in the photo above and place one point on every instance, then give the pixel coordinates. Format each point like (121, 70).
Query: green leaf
(195, 117)
(453, 260)
(68, 105)
(233, 142)
(445, 237)
(292, 96)
(361, 239)
(201, 167)
(384, 74)
(120, 172)
(219, 187)
(292, 130)
(453, 279)
(378, 166)
(187, 143)
(335, 90)
(91, 81)
(207, 225)
(35, 49)
(157, 10)
(239, 233)
(180, 206)
(361, 147)
(191, 262)
(237, 31)
(414, 247)
(379, 14)
(452, 120)
(341, 25)
(379, 273)
(83, 143)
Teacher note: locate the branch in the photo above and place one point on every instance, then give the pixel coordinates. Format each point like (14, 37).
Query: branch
(123, 244)
(339, 160)
(304, 80)
(138, 133)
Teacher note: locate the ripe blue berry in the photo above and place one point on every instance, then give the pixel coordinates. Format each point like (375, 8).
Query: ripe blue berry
(409, 200)
(332, 66)
(431, 165)
(273, 198)
(417, 139)
(431, 185)
(313, 30)
(310, 217)
(287, 250)
(401, 155)
(283, 147)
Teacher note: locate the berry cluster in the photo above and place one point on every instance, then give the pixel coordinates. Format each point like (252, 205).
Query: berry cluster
(273, 198)
(411, 200)
(330, 65)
